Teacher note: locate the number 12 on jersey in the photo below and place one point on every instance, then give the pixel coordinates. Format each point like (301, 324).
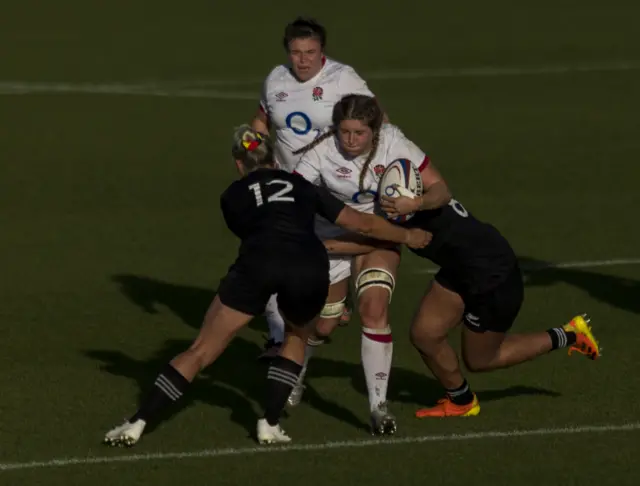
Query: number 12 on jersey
(278, 196)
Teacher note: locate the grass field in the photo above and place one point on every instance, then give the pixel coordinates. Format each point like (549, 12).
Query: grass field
(116, 119)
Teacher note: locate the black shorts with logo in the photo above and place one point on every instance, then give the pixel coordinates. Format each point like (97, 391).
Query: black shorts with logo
(492, 310)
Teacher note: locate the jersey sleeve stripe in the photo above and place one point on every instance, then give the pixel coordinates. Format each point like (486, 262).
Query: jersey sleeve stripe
(425, 163)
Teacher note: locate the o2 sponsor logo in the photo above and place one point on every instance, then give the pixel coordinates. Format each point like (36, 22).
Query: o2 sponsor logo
(366, 196)
(299, 123)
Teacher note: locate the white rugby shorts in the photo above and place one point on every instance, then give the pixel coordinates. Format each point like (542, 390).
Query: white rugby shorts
(339, 268)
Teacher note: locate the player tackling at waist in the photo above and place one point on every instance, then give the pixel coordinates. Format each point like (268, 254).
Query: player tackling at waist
(272, 212)
(480, 285)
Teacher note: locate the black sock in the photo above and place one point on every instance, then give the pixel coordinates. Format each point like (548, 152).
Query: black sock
(168, 388)
(461, 395)
(281, 378)
(561, 338)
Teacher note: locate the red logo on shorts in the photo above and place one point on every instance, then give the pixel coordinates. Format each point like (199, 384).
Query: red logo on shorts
(317, 93)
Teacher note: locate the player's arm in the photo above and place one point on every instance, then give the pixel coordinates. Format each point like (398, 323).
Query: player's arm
(355, 244)
(260, 122)
(368, 225)
(374, 226)
(436, 192)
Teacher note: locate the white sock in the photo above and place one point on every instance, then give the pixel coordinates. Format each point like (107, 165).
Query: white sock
(312, 345)
(275, 320)
(377, 352)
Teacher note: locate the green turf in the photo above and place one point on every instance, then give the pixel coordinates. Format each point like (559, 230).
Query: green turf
(113, 244)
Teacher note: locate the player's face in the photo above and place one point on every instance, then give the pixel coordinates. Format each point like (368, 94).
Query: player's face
(355, 137)
(305, 56)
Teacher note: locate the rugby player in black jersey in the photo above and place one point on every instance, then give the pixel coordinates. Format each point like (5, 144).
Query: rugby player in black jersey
(479, 284)
(273, 214)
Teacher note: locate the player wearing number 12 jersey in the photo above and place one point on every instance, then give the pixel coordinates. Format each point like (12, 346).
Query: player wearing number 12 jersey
(272, 212)
(296, 103)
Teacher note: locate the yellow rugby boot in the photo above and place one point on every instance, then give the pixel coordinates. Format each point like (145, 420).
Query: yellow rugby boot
(585, 341)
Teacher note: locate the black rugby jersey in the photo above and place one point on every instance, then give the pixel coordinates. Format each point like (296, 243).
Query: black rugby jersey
(472, 252)
(273, 208)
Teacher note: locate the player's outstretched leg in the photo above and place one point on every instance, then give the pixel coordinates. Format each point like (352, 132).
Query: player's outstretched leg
(486, 345)
(219, 326)
(490, 350)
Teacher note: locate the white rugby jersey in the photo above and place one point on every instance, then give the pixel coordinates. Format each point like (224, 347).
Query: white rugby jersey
(326, 165)
(300, 111)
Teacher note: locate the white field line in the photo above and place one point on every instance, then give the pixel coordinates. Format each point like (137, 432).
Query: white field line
(29, 88)
(203, 88)
(244, 451)
(546, 266)
(495, 71)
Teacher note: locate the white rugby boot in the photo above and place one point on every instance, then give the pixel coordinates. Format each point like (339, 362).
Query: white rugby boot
(271, 434)
(382, 421)
(126, 434)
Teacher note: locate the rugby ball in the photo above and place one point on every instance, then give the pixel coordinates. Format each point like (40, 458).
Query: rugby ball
(401, 178)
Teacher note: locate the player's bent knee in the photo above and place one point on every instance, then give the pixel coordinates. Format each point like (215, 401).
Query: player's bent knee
(417, 338)
(477, 364)
(375, 278)
(423, 337)
(414, 337)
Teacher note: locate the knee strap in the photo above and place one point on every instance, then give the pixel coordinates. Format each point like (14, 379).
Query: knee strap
(375, 277)
(333, 309)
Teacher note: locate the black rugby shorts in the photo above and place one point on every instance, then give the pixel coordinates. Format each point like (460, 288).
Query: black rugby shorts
(494, 310)
(301, 280)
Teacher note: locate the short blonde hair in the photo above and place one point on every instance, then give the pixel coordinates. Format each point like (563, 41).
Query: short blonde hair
(252, 148)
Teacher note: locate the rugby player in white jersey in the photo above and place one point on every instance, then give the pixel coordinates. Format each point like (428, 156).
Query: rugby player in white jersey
(348, 158)
(296, 102)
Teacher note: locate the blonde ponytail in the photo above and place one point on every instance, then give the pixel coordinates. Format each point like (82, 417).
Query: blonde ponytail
(252, 148)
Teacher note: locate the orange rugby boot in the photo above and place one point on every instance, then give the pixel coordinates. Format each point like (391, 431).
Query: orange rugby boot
(446, 408)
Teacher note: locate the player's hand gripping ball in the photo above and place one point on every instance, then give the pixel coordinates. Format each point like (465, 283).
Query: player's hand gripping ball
(400, 187)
